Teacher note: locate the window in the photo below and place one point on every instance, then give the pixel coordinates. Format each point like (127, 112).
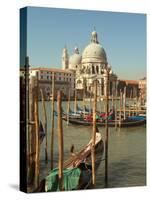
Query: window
(79, 81)
(93, 70)
(47, 77)
(97, 69)
(41, 77)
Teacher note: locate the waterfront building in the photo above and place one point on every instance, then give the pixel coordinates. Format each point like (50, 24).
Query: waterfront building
(90, 66)
(64, 81)
(142, 88)
(132, 87)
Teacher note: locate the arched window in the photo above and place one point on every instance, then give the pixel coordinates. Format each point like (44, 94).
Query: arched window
(97, 69)
(79, 81)
(93, 70)
(110, 88)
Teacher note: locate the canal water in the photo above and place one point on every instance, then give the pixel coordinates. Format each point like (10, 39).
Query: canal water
(126, 157)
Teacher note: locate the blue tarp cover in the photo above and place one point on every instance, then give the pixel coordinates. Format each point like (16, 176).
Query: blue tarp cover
(136, 118)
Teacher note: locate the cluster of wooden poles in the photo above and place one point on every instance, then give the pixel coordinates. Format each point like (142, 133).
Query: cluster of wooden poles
(60, 138)
(32, 120)
(60, 129)
(59, 134)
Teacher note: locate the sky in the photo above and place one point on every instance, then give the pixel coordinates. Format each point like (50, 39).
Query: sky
(122, 35)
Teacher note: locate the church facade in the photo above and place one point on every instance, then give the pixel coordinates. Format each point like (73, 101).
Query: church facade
(89, 67)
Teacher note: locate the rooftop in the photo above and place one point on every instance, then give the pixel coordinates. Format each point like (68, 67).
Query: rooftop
(50, 69)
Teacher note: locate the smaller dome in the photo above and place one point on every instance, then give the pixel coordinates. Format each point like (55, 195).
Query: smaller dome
(75, 59)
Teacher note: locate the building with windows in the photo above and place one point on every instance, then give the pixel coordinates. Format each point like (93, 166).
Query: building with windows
(142, 88)
(64, 81)
(132, 87)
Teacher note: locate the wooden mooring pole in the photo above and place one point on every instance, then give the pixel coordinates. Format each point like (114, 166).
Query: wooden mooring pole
(106, 127)
(112, 101)
(45, 125)
(120, 108)
(27, 111)
(124, 104)
(94, 133)
(37, 140)
(137, 105)
(68, 107)
(130, 103)
(116, 113)
(60, 142)
(52, 123)
(75, 101)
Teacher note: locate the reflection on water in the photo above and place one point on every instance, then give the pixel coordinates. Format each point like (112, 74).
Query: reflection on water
(127, 152)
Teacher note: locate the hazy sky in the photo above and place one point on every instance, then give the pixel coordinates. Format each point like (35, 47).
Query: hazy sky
(122, 35)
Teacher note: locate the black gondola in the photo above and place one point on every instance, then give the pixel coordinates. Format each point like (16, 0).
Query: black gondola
(78, 161)
(123, 123)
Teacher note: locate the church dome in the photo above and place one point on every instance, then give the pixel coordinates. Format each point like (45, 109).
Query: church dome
(94, 52)
(75, 59)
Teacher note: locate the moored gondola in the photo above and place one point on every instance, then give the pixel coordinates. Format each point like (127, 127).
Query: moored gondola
(123, 123)
(77, 173)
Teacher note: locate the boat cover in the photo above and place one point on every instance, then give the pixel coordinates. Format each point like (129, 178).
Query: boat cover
(70, 179)
(138, 118)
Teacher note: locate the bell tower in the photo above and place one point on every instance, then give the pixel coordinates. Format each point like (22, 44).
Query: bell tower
(65, 59)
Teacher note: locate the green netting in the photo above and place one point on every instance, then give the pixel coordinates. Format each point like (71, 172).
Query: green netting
(70, 179)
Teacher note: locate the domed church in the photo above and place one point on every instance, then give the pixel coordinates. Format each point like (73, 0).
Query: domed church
(90, 66)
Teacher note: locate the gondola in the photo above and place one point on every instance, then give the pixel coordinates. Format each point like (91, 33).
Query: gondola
(75, 115)
(111, 123)
(71, 115)
(77, 173)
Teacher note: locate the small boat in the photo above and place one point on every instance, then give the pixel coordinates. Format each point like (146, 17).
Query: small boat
(71, 115)
(111, 123)
(77, 173)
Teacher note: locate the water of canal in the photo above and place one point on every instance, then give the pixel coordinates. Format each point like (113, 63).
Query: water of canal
(127, 151)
